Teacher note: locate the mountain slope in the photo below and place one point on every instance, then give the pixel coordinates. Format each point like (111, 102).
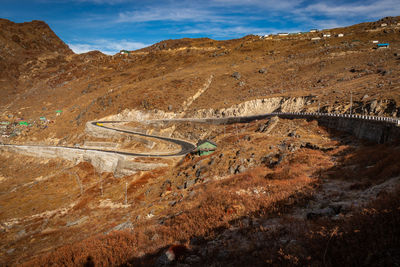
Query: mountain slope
(21, 44)
(48, 76)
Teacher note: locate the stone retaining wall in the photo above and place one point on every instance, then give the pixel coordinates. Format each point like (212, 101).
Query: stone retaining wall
(373, 128)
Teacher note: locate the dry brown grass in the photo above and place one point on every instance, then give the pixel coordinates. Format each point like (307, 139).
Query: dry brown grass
(214, 206)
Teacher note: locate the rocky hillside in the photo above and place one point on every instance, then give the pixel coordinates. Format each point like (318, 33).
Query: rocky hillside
(276, 191)
(22, 45)
(43, 75)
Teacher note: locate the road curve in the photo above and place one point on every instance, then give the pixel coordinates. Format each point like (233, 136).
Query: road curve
(187, 147)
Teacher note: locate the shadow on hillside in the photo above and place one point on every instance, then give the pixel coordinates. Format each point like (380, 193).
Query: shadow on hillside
(367, 238)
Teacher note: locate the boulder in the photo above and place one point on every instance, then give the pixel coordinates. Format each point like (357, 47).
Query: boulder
(236, 75)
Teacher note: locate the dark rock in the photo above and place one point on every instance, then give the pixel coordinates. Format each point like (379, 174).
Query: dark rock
(240, 169)
(310, 146)
(266, 158)
(262, 128)
(145, 104)
(163, 260)
(194, 241)
(326, 212)
(198, 173)
(280, 159)
(193, 260)
(381, 71)
(236, 75)
(263, 70)
(337, 208)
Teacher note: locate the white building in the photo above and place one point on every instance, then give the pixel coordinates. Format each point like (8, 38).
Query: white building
(375, 41)
(313, 30)
(283, 34)
(315, 38)
(383, 24)
(327, 35)
(340, 35)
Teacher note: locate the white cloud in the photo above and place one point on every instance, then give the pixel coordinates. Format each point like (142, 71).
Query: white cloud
(109, 47)
(108, 2)
(370, 9)
(260, 4)
(168, 13)
(221, 18)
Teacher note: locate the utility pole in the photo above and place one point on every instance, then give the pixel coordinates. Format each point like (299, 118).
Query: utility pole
(351, 101)
(126, 193)
(237, 134)
(224, 129)
(101, 184)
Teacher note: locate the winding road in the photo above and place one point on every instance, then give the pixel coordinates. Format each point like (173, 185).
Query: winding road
(187, 147)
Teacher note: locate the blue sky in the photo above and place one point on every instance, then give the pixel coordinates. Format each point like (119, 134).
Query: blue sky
(112, 25)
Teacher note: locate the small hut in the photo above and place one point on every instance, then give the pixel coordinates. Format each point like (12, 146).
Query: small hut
(386, 45)
(205, 147)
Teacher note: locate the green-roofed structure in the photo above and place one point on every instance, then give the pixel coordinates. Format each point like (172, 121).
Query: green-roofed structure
(205, 147)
